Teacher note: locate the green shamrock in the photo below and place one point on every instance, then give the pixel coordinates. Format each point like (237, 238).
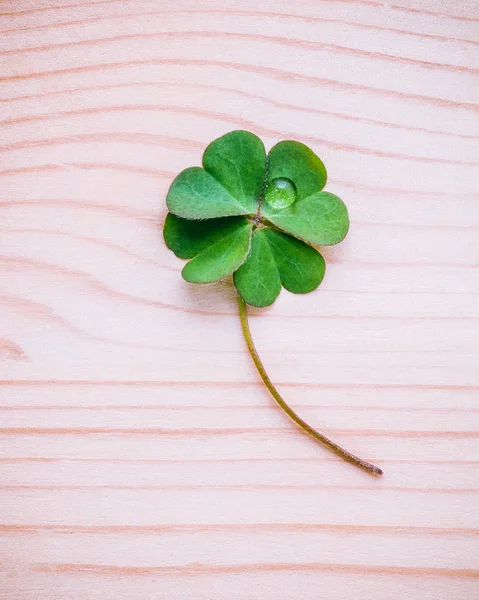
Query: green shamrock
(254, 215)
(257, 216)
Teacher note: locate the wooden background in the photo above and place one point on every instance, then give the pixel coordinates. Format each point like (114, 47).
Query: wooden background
(140, 457)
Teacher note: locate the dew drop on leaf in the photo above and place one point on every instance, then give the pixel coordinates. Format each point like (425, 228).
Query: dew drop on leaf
(280, 192)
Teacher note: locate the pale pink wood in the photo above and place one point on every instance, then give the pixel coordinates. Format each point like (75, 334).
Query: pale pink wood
(140, 457)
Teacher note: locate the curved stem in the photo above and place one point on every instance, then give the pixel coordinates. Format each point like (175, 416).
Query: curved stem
(362, 464)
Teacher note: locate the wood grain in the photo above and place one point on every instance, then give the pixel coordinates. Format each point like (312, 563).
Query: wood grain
(139, 455)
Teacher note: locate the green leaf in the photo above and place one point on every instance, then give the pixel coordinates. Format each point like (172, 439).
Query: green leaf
(297, 162)
(238, 161)
(257, 280)
(301, 268)
(319, 219)
(208, 206)
(195, 194)
(229, 184)
(222, 257)
(188, 238)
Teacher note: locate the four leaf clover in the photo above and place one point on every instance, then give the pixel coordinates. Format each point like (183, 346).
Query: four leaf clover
(255, 216)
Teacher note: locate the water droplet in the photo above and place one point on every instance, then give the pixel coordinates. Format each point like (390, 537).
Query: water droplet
(280, 192)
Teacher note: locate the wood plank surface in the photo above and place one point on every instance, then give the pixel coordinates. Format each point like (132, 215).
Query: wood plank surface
(140, 456)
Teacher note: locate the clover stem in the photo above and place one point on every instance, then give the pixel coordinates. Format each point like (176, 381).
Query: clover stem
(362, 464)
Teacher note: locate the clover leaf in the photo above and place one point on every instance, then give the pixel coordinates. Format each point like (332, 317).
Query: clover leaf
(229, 184)
(277, 259)
(281, 192)
(257, 217)
(217, 247)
